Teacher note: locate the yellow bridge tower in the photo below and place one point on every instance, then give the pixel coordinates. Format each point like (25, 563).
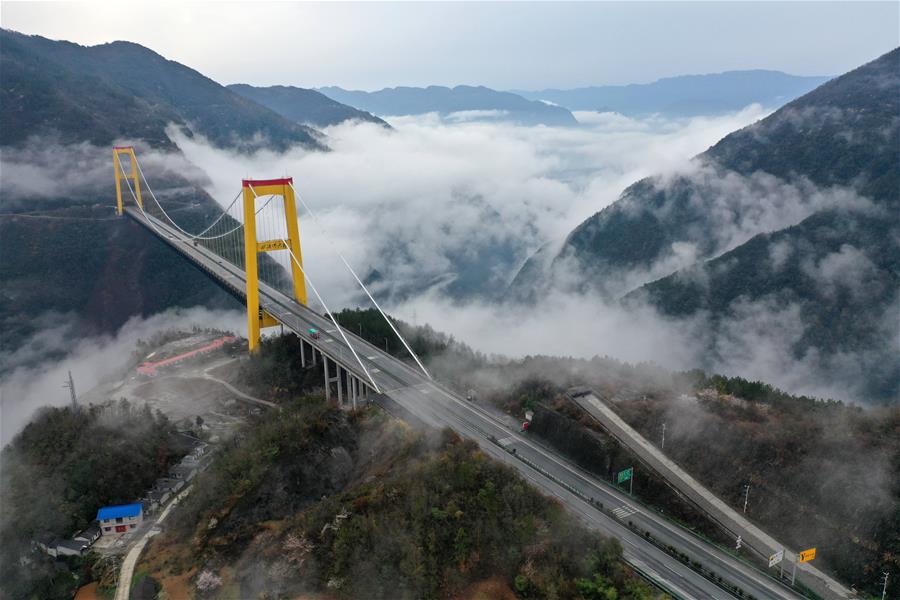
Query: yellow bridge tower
(253, 189)
(128, 151)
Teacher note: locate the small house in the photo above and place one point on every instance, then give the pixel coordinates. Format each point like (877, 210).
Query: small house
(153, 499)
(120, 519)
(89, 535)
(182, 472)
(70, 547)
(47, 543)
(59, 547)
(167, 484)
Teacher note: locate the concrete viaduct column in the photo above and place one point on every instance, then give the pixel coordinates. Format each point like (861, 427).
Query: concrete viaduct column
(340, 386)
(356, 389)
(327, 379)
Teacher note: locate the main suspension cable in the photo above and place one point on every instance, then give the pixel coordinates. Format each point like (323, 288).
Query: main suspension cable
(198, 236)
(146, 217)
(359, 281)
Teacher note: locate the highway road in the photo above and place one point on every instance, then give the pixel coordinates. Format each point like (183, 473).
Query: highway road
(409, 389)
(728, 518)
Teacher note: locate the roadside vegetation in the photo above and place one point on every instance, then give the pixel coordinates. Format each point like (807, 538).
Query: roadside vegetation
(822, 473)
(58, 471)
(426, 342)
(314, 500)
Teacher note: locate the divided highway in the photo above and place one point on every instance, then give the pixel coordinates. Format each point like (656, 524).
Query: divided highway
(708, 502)
(407, 390)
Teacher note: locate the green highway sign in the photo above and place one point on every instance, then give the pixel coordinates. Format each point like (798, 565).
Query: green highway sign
(625, 475)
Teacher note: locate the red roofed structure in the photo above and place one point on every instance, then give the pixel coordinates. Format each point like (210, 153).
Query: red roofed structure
(150, 367)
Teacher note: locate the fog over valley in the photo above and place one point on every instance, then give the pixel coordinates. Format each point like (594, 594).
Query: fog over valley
(445, 209)
(390, 301)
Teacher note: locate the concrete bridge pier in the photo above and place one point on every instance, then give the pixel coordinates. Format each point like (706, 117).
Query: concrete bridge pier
(340, 386)
(348, 385)
(327, 379)
(335, 380)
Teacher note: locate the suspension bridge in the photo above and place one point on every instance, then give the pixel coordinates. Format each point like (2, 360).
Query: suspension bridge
(252, 250)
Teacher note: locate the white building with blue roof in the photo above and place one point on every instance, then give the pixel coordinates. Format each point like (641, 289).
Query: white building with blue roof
(120, 519)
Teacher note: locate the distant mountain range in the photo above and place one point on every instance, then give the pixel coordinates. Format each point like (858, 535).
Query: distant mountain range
(124, 91)
(468, 102)
(304, 106)
(796, 211)
(686, 95)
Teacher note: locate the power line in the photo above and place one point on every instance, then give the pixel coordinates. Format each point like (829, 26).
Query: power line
(56, 217)
(70, 384)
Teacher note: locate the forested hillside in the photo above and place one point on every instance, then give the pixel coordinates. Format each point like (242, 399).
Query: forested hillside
(822, 473)
(122, 270)
(60, 469)
(312, 499)
(840, 271)
(69, 93)
(845, 133)
(818, 182)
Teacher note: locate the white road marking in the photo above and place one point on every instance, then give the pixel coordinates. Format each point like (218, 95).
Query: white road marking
(623, 511)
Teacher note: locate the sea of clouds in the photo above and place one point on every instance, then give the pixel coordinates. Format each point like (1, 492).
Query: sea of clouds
(438, 201)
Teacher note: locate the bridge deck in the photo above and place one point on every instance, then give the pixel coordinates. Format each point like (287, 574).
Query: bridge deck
(436, 406)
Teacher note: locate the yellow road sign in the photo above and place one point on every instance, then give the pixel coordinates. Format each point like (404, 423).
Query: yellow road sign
(807, 555)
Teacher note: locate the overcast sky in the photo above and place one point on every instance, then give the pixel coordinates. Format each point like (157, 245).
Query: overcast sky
(501, 45)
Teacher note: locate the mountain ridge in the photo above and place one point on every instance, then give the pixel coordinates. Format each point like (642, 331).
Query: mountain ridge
(685, 95)
(122, 90)
(305, 106)
(405, 100)
(706, 240)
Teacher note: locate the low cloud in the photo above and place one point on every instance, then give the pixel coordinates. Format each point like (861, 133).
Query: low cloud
(717, 210)
(756, 340)
(848, 269)
(457, 204)
(430, 204)
(739, 206)
(475, 115)
(43, 169)
(91, 360)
